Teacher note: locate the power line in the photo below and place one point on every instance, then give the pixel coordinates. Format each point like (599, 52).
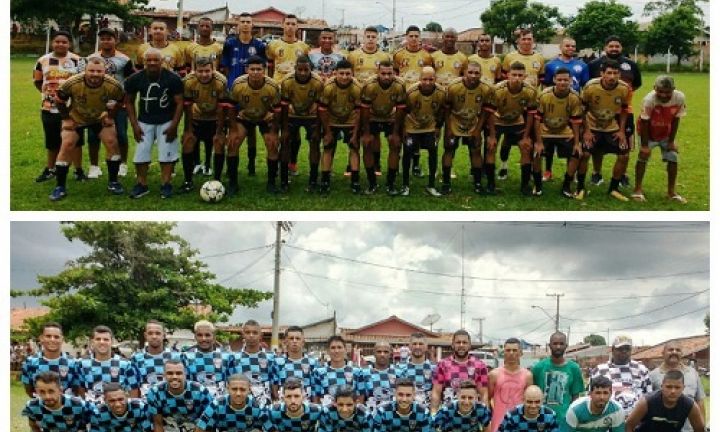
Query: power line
(307, 287)
(646, 325)
(222, 254)
(247, 267)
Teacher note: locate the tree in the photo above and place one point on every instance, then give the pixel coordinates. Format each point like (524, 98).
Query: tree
(134, 271)
(674, 30)
(594, 340)
(662, 6)
(707, 323)
(432, 26)
(505, 16)
(598, 19)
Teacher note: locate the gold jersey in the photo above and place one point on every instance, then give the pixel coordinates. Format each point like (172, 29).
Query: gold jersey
(409, 64)
(195, 51)
(205, 98)
(534, 66)
(448, 66)
(603, 105)
(341, 103)
(283, 55)
(173, 56)
(488, 67)
(557, 113)
(466, 105)
(383, 101)
(365, 64)
(255, 105)
(511, 107)
(88, 103)
(301, 98)
(423, 110)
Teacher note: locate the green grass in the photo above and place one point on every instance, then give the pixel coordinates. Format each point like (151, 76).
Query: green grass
(18, 423)
(28, 155)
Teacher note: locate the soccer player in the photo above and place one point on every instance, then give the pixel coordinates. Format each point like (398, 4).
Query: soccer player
(204, 47)
(300, 93)
(51, 71)
(557, 125)
(324, 58)
(459, 366)
(448, 61)
(94, 97)
(205, 96)
(52, 410)
(294, 414)
(665, 410)
(534, 62)
(235, 411)
(118, 413)
(257, 100)
(344, 414)
(507, 383)
(490, 65)
(559, 379)
(465, 413)
(205, 363)
(294, 364)
(176, 404)
(630, 378)
(103, 367)
(470, 104)
(383, 110)
(403, 413)
(659, 121)
(411, 58)
(516, 103)
(282, 53)
(425, 110)
(255, 363)
(155, 119)
(338, 110)
(150, 361)
(50, 358)
(596, 412)
(419, 369)
(531, 415)
(380, 378)
(337, 372)
(172, 56)
(606, 100)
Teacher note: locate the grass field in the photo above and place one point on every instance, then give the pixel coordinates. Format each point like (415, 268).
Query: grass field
(28, 154)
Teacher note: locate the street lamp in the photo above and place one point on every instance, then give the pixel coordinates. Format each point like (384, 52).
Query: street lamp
(393, 12)
(555, 318)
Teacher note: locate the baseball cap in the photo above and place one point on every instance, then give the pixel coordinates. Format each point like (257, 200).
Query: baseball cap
(622, 341)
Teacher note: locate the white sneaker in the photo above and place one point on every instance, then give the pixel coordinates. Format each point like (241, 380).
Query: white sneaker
(94, 172)
(198, 169)
(122, 172)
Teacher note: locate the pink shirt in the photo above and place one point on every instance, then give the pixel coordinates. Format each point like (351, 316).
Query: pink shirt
(508, 393)
(450, 373)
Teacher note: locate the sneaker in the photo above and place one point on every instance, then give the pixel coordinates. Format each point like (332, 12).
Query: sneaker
(479, 189)
(391, 190)
(139, 191)
(371, 190)
(432, 191)
(186, 187)
(123, 170)
(232, 189)
(619, 196)
(325, 188)
(166, 191)
(115, 188)
(271, 189)
(624, 181)
(207, 171)
(292, 168)
(567, 193)
(581, 194)
(405, 191)
(94, 172)
(490, 190)
(417, 171)
(198, 169)
(526, 190)
(80, 175)
(596, 179)
(58, 193)
(355, 188)
(547, 176)
(445, 189)
(311, 187)
(502, 174)
(284, 188)
(46, 175)
(537, 192)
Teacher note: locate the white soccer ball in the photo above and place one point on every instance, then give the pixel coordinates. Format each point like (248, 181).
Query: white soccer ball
(212, 191)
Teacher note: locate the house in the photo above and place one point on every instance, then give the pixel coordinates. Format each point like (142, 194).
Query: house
(268, 23)
(316, 334)
(695, 349)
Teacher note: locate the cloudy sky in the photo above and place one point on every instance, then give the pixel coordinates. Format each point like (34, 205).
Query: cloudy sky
(648, 280)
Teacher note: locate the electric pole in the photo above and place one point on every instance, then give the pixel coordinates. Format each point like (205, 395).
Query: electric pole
(480, 328)
(557, 308)
(462, 277)
(180, 18)
(274, 341)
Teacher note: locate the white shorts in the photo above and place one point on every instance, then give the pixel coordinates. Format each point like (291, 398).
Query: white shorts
(168, 152)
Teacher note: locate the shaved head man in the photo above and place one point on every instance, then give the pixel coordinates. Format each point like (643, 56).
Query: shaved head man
(531, 415)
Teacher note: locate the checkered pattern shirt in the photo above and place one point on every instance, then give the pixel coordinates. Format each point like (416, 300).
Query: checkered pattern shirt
(387, 419)
(259, 368)
(93, 373)
(629, 382)
(421, 374)
(276, 420)
(327, 379)
(135, 419)
(221, 416)
(211, 369)
(449, 374)
(179, 412)
(379, 386)
(63, 366)
(515, 421)
(449, 418)
(330, 420)
(73, 415)
(302, 369)
(150, 368)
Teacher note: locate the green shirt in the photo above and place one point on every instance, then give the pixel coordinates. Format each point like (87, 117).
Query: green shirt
(559, 385)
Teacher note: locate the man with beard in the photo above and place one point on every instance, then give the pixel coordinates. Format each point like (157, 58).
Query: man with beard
(176, 404)
(337, 372)
(205, 363)
(294, 364)
(235, 411)
(380, 378)
(403, 414)
(50, 358)
(172, 56)
(531, 415)
(507, 383)
(560, 380)
(52, 410)
(596, 412)
(118, 413)
(282, 53)
(150, 361)
(255, 363)
(465, 414)
(345, 414)
(295, 414)
(459, 366)
(419, 369)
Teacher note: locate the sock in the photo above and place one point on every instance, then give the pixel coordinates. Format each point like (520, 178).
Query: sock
(61, 172)
(446, 175)
(537, 178)
(113, 167)
(503, 165)
(272, 166)
(567, 181)
(392, 175)
(581, 181)
(432, 162)
(416, 159)
(284, 172)
(376, 156)
(313, 173)
(525, 170)
(371, 176)
(505, 154)
(188, 163)
(232, 163)
(208, 154)
(218, 162)
(490, 174)
(406, 159)
(196, 154)
(325, 177)
(355, 176)
(614, 184)
(252, 153)
(477, 175)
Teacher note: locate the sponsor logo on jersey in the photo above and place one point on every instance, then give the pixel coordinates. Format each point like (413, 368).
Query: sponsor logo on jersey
(114, 372)
(217, 362)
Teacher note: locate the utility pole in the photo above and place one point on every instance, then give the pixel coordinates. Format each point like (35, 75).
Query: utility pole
(557, 308)
(342, 21)
(180, 18)
(274, 341)
(462, 277)
(480, 328)
(394, 9)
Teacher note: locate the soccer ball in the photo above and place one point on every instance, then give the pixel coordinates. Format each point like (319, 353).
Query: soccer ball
(212, 191)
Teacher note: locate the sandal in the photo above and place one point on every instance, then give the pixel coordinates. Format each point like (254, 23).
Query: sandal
(639, 197)
(678, 198)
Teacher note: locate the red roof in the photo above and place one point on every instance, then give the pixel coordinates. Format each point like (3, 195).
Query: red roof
(392, 319)
(18, 316)
(689, 345)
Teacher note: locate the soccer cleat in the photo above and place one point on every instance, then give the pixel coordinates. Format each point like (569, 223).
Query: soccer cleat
(166, 191)
(58, 193)
(537, 192)
(46, 175)
(502, 174)
(311, 187)
(596, 179)
(94, 172)
(391, 190)
(404, 191)
(581, 194)
(619, 196)
(371, 190)
(292, 169)
(624, 181)
(115, 188)
(417, 171)
(432, 191)
(445, 189)
(479, 189)
(325, 188)
(139, 191)
(284, 188)
(186, 187)
(207, 171)
(232, 189)
(567, 193)
(547, 176)
(198, 169)
(355, 188)
(123, 170)
(490, 190)
(80, 175)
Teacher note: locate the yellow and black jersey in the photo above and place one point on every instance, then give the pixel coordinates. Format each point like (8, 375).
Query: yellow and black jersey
(557, 112)
(383, 101)
(465, 105)
(423, 110)
(195, 51)
(88, 103)
(602, 105)
(409, 64)
(488, 67)
(283, 56)
(512, 107)
(255, 105)
(173, 56)
(534, 66)
(301, 98)
(448, 66)
(365, 64)
(341, 103)
(205, 98)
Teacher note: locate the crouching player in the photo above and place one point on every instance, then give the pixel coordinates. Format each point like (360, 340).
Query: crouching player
(344, 414)
(235, 411)
(118, 413)
(294, 414)
(176, 404)
(403, 413)
(54, 411)
(464, 414)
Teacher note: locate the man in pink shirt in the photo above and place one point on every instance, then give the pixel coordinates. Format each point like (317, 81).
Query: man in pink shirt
(507, 384)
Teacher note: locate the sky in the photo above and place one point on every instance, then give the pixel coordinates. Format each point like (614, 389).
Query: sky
(643, 279)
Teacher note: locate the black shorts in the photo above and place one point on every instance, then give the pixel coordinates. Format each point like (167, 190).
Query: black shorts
(564, 147)
(384, 127)
(95, 128)
(422, 140)
(455, 141)
(339, 132)
(52, 127)
(513, 134)
(295, 124)
(204, 130)
(264, 126)
(605, 143)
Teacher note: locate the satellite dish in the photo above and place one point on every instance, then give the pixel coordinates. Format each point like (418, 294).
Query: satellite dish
(430, 320)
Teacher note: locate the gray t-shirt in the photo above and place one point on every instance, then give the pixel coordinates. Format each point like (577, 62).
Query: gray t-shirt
(693, 386)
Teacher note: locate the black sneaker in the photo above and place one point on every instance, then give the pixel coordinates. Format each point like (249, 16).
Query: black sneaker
(479, 189)
(187, 187)
(596, 179)
(537, 191)
(166, 191)
(502, 174)
(80, 175)
(139, 191)
(356, 188)
(490, 190)
(46, 175)
(391, 190)
(371, 190)
(624, 181)
(115, 188)
(325, 188)
(567, 193)
(58, 193)
(417, 171)
(445, 189)
(311, 187)
(404, 191)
